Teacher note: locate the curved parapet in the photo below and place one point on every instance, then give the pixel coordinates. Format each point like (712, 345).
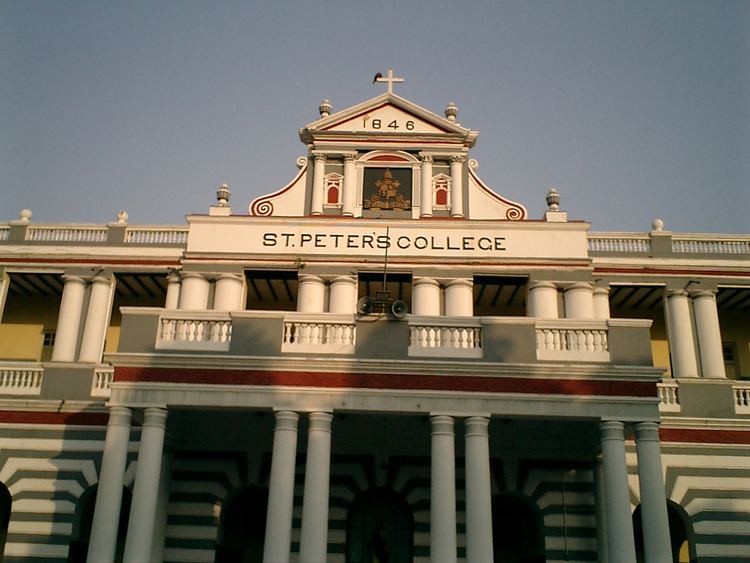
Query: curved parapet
(486, 204)
(289, 201)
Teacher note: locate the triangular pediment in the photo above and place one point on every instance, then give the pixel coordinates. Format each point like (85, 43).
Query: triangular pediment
(387, 113)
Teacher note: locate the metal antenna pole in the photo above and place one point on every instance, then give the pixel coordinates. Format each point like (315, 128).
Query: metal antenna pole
(387, 245)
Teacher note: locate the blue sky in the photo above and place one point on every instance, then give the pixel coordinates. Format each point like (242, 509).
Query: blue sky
(633, 110)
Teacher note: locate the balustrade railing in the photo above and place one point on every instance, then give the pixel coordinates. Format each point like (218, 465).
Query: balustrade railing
(21, 379)
(669, 396)
(102, 380)
(711, 245)
(742, 398)
(194, 330)
(156, 235)
(67, 234)
(445, 338)
(319, 334)
(572, 340)
(619, 243)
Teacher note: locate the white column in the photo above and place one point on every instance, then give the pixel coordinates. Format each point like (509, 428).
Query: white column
(343, 295)
(656, 543)
(601, 512)
(350, 186)
(230, 289)
(542, 300)
(314, 533)
(97, 319)
(194, 291)
(319, 173)
(680, 332)
(443, 491)
(109, 491)
(621, 548)
(425, 297)
(69, 319)
(709, 334)
(146, 493)
(579, 301)
(277, 546)
(478, 491)
(162, 506)
(601, 302)
(173, 291)
(457, 192)
(425, 191)
(4, 285)
(311, 295)
(459, 298)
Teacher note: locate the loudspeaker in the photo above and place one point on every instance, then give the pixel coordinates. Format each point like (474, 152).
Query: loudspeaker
(399, 309)
(364, 306)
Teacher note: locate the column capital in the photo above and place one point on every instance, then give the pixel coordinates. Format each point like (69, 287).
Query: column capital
(442, 424)
(319, 157)
(646, 431)
(670, 293)
(174, 276)
(286, 420)
(457, 158)
(476, 425)
(425, 281)
(119, 416)
(542, 284)
(320, 420)
(466, 282)
(103, 278)
(73, 278)
(310, 278)
(349, 279)
(702, 293)
(612, 430)
(349, 156)
(427, 158)
(194, 275)
(231, 276)
(601, 289)
(577, 286)
(155, 417)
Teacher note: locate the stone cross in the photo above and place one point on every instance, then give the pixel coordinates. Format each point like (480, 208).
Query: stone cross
(389, 78)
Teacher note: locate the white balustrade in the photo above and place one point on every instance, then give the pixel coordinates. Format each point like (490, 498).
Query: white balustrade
(669, 396)
(710, 245)
(625, 242)
(102, 381)
(319, 334)
(21, 379)
(194, 330)
(156, 235)
(442, 337)
(67, 234)
(572, 340)
(742, 398)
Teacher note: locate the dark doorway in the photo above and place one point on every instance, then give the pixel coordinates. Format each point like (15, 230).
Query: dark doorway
(380, 528)
(242, 526)
(6, 500)
(517, 529)
(681, 535)
(84, 516)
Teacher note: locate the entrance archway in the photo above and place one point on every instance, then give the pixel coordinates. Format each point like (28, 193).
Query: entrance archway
(84, 516)
(6, 500)
(681, 534)
(380, 528)
(242, 526)
(517, 529)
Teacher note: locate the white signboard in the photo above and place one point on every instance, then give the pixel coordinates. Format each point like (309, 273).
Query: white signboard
(422, 239)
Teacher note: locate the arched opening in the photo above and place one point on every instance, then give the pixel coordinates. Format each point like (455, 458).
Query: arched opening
(441, 196)
(83, 518)
(6, 500)
(380, 528)
(333, 195)
(517, 529)
(682, 538)
(242, 526)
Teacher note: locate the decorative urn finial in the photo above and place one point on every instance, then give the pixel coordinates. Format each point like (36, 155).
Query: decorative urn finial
(553, 200)
(222, 195)
(451, 111)
(25, 215)
(325, 108)
(657, 225)
(122, 217)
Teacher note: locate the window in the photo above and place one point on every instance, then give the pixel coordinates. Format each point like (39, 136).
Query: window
(333, 187)
(441, 185)
(242, 526)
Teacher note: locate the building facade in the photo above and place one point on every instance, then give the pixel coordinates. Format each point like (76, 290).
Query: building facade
(383, 361)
